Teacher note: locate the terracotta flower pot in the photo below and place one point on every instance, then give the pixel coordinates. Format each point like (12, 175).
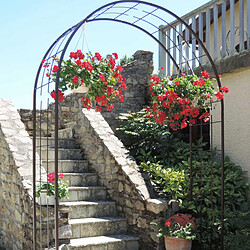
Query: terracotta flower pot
(173, 243)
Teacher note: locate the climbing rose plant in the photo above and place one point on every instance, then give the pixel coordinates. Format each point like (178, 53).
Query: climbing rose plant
(100, 74)
(182, 100)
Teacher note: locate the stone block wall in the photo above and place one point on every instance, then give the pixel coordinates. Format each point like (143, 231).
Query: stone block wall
(15, 184)
(16, 197)
(137, 74)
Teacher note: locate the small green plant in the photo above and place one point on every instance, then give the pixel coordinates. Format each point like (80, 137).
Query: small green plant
(125, 60)
(49, 187)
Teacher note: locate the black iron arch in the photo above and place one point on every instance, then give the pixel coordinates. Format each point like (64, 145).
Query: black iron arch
(116, 11)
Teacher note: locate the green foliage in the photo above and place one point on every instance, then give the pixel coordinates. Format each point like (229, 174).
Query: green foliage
(166, 160)
(125, 60)
(50, 189)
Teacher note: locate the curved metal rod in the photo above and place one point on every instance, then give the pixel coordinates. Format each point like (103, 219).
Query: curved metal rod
(74, 30)
(138, 27)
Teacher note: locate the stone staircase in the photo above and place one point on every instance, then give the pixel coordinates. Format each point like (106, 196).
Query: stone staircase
(93, 218)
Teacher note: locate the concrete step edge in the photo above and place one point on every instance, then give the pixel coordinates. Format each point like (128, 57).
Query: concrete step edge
(102, 240)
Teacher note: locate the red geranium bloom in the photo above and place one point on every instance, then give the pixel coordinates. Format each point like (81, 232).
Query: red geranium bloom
(102, 77)
(167, 223)
(98, 108)
(110, 107)
(75, 79)
(195, 112)
(205, 74)
(51, 177)
(60, 95)
(219, 95)
(55, 68)
(60, 176)
(115, 55)
(98, 56)
(224, 89)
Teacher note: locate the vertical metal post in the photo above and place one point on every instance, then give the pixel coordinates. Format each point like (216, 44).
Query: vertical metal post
(222, 174)
(223, 28)
(248, 24)
(180, 46)
(215, 11)
(56, 168)
(241, 24)
(208, 31)
(193, 43)
(232, 26)
(168, 48)
(34, 171)
(200, 35)
(162, 53)
(186, 44)
(191, 160)
(174, 48)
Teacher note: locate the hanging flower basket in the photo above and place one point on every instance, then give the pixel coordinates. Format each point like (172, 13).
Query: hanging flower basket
(183, 100)
(100, 75)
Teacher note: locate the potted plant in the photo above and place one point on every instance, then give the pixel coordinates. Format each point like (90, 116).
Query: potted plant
(178, 232)
(183, 100)
(100, 75)
(46, 191)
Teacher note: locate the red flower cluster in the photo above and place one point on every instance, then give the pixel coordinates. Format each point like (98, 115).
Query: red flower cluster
(102, 77)
(60, 95)
(205, 74)
(182, 100)
(51, 177)
(181, 220)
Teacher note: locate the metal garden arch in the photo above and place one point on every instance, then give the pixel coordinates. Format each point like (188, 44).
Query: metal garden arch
(146, 17)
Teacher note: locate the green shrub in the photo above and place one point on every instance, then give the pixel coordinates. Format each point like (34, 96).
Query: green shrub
(166, 160)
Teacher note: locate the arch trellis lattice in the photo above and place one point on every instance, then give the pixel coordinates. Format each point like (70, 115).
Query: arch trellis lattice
(147, 18)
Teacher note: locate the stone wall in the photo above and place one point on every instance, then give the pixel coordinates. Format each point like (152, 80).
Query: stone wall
(16, 197)
(137, 74)
(15, 180)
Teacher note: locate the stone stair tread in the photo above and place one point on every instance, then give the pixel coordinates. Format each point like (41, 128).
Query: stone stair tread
(86, 188)
(95, 220)
(102, 240)
(67, 160)
(80, 203)
(80, 173)
(69, 124)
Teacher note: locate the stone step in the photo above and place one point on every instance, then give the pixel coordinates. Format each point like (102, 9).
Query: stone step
(109, 242)
(70, 124)
(90, 227)
(88, 209)
(64, 133)
(50, 142)
(63, 154)
(93, 193)
(67, 166)
(81, 179)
